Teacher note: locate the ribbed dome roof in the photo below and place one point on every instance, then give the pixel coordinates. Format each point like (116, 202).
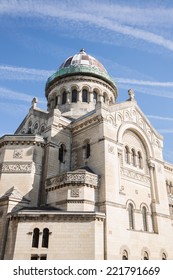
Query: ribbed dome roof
(82, 58)
(80, 64)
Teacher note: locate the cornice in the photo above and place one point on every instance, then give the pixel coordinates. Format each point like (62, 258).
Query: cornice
(86, 122)
(79, 78)
(36, 215)
(21, 140)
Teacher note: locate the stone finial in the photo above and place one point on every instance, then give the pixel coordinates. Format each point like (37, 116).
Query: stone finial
(34, 102)
(131, 94)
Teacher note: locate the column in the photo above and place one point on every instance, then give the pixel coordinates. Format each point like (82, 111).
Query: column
(153, 197)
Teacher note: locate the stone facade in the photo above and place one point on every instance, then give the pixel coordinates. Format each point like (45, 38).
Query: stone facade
(85, 179)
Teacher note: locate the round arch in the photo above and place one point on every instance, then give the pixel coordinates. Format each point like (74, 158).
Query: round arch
(129, 201)
(74, 86)
(139, 132)
(145, 253)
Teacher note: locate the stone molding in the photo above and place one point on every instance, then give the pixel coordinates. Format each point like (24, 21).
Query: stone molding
(127, 173)
(72, 178)
(21, 140)
(57, 216)
(91, 121)
(75, 201)
(169, 168)
(16, 167)
(79, 78)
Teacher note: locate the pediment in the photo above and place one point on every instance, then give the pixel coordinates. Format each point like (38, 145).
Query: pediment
(14, 194)
(130, 113)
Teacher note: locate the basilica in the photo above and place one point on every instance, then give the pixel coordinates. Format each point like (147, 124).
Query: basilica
(85, 179)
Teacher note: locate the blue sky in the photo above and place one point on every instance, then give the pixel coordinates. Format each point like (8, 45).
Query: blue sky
(132, 39)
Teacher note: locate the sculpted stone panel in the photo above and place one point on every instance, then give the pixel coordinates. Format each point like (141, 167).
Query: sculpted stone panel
(74, 193)
(135, 176)
(16, 167)
(111, 149)
(18, 153)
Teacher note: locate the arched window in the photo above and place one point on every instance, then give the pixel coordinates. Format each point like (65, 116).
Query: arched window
(45, 240)
(111, 101)
(56, 101)
(164, 256)
(86, 149)
(64, 97)
(74, 96)
(95, 96)
(125, 255)
(35, 239)
(139, 160)
(105, 98)
(144, 216)
(131, 216)
(62, 151)
(84, 95)
(146, 256)
(127, 155)
(133, 155)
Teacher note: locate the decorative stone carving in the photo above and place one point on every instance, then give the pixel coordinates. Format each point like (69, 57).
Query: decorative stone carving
(111, 149)
(131, 94)
(77, 177)
(141, 123)
(74, 193)
(136, 192)
(34, 102)
(135, 175)
(16, 167)
(119, 118)
(38, 169)
(18, 154)
(127, 116)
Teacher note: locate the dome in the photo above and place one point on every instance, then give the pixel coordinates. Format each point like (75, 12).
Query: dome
(82, 58)
(83, 64)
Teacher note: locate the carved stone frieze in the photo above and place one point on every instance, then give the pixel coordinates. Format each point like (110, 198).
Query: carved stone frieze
(135, 175)
(16, 167)
(73, 178)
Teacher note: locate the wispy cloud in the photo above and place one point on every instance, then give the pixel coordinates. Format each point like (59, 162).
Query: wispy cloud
(6, 93)
(155, 88)
(20, 73)
(131, 22)
(163, 92)
(12, 108)
(143, 83)
(165, 131)
(160, 118)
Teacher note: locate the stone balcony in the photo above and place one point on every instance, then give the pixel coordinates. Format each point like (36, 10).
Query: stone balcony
(77, 177)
